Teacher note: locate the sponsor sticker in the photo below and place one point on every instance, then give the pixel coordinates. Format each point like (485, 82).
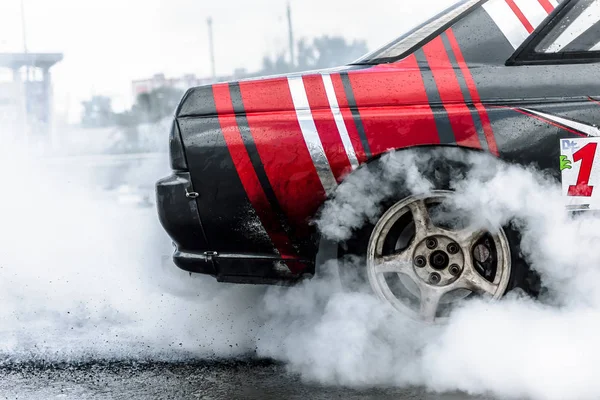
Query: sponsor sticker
(580, 172)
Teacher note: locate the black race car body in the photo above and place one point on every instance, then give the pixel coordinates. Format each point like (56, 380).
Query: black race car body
(254, 160)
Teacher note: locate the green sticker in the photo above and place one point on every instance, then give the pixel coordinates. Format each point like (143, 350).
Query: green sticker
(565, 163)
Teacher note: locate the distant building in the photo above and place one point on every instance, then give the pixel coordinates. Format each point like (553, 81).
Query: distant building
(26, 99)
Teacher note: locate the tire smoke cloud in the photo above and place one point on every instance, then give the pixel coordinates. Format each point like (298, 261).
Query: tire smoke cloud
(519, 347)
(82, 278)
(86, 277)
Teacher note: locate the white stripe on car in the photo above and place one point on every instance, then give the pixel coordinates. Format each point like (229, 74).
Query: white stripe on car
(507, 21)
(311, 135)
(589, 130)
(339, 121)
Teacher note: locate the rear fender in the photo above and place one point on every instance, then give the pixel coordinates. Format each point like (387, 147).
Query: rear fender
(328, 248)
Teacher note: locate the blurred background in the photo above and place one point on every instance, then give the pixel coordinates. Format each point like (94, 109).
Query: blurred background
(94, 83)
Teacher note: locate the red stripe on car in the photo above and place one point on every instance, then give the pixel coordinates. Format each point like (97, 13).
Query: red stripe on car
(282, 149)
(394, 106)
(326, 126)
(245, 170)
(340, 94)
(515, 8)
(451, 95)
(547, 5)
(483, 115)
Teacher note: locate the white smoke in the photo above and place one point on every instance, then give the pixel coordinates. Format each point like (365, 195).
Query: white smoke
(84, 277)
(516, 348)
(359, 199)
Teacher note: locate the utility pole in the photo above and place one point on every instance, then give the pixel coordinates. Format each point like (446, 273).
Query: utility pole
(23, 26)
(24, 32)
(291, 37)
(212, 48)
(25, 86)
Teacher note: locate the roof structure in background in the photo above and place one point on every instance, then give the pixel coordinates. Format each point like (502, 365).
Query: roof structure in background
(40, 60)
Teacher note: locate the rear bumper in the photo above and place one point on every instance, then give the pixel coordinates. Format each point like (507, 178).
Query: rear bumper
(178, 214)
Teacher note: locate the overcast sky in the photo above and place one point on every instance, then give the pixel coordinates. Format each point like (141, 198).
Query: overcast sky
(109, 43)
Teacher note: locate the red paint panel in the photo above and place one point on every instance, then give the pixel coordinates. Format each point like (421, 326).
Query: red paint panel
(282, 150)
(515, 8)
(483, 115)
(348, 118)
(547, 5)
(246, 172)
(451, 95)
(326, 126)
(394, 107)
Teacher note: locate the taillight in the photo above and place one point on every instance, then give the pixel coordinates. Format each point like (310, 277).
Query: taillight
(176, 153)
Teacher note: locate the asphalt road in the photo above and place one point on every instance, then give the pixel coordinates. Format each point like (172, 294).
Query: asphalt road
(200, 380)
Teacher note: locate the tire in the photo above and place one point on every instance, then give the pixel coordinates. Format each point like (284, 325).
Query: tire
(356, 255)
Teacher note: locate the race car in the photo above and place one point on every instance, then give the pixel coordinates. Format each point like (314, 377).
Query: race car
(255, 160)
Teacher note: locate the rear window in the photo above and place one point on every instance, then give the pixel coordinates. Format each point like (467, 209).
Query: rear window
(578, 31)
(571, 36)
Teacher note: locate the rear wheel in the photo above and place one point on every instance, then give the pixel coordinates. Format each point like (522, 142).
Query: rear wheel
(424, 257)
(422, 266)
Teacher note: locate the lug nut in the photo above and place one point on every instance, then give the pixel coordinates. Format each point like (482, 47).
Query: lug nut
(454, 269)
(453, 248)
(420, 261)
(435, 278)
(431, 243)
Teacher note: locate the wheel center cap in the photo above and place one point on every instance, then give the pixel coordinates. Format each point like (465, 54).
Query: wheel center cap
(439, 260)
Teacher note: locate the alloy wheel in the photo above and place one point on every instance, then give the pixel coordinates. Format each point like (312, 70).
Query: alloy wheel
(425, 272)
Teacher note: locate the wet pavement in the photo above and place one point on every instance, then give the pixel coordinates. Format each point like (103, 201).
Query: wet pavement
(199, 380)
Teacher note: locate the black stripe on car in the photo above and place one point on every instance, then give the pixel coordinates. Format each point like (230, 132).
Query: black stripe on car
(355, 113)
(465, 92)
(244, 127)
(479, 28)
(442, 121)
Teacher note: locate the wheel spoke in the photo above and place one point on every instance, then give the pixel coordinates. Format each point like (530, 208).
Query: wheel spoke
(422, 219)
(399, 263)
(469, 236)
(430, 300)
(390, 266)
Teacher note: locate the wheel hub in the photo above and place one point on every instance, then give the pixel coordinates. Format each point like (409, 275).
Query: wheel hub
(439, 260)
(435, 260)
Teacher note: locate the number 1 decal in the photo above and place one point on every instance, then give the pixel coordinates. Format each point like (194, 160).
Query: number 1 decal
(586, 155)
(580, 172)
